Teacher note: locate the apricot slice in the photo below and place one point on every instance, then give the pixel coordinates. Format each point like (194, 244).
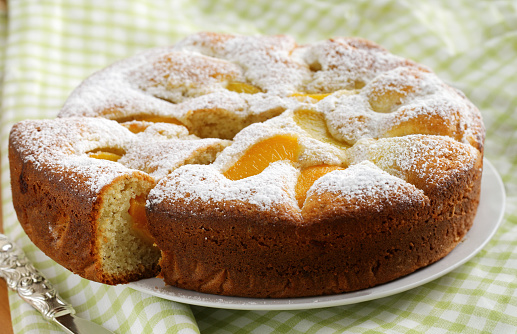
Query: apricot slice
(317, 97)
(315, 125)
(260, 155)
(105, 156)
(111, 154)
(307, 178)
(137, 212)
(242, 87)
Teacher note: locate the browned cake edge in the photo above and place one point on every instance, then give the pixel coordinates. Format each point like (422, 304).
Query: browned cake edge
(234, 250)
(65, 228)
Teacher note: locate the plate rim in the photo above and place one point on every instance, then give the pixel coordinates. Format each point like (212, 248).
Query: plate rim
(155, 286)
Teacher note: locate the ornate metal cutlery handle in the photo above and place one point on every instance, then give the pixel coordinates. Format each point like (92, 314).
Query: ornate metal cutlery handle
(30, 284)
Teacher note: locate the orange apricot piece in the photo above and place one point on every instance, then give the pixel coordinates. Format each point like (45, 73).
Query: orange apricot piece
(137, 212)
(315, 125)
(303, 96)
(242, 87)
(260, 155)
(307, 178)
(104, 155)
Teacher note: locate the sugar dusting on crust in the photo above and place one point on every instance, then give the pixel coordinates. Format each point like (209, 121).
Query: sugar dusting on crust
(95, 175)
(108, 93)
(395, 96)
(178, 76)
(61, 146)
(273, 189)
(161, 158)
(359, 184)
(43, 140)
(402, 101)
(266, 61)
(313, 152)
(348, 63)
(372, 95)
(191, 81)
(417, 158)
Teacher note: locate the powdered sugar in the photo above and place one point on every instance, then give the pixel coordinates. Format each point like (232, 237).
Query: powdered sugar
(273, 189)
(60, 148)
(372, 95)
(266, 60)
(363, 183)
(193, 76)
(417, 158)
(161, 158)
(313, 152)
(53, 138)
(407, 102)
(348, 63)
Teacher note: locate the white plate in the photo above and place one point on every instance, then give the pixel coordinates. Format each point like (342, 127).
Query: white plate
(488, 218)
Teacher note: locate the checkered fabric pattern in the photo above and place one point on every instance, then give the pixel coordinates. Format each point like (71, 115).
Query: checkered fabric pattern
(48, 47)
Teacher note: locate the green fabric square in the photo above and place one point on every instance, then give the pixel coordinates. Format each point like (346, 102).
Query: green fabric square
(49, 47)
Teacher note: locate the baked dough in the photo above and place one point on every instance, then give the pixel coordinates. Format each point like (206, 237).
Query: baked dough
(252, 166)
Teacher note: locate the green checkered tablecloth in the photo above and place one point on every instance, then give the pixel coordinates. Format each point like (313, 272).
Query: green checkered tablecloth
(50, 46)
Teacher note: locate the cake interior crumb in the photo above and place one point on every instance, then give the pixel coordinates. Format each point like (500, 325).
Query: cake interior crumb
(121, 248)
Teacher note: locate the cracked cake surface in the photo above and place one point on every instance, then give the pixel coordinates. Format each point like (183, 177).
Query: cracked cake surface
(252, 166)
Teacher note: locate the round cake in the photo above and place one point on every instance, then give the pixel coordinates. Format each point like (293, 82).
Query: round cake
(252, 166)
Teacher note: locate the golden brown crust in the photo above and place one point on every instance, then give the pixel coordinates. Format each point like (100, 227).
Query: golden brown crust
(409, 150)
(58, 195)
(64, 228)
(233, 249)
